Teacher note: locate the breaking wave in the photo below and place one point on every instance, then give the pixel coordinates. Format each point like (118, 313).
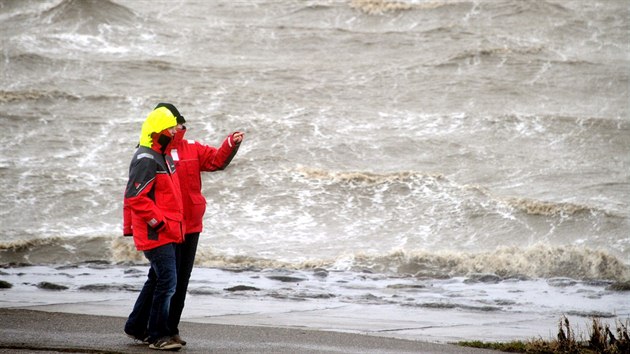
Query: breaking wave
(96, 11)
(377, 7)
(497, 51)
(365, 178)
(53, 249)
(537, 261)
(524, 205)
(537, 207)
(380, 7)
(32, 95)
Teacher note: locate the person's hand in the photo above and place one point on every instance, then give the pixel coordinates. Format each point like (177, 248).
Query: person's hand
(162, 226)
(238, 137)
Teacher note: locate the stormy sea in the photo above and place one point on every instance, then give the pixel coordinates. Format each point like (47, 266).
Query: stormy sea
(432, 170)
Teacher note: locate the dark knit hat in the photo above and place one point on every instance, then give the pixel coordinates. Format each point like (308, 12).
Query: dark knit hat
(171, 107)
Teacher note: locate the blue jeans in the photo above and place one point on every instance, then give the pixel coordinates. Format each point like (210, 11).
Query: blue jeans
(185, 261)
(154, 300)
(185, 255)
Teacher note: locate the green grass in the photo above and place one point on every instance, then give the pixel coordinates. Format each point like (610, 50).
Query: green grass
(601, 340)
(511, 347)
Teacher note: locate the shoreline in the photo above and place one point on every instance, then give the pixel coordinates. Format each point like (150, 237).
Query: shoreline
(35, 331)
(437, 311)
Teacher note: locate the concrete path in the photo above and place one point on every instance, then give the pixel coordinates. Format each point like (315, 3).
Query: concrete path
(27, 331)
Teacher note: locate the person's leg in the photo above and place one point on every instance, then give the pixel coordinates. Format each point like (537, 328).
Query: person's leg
(186, 261)
(163, 262)
(138, 320)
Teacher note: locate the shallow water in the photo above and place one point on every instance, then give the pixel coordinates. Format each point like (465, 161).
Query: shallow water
(479, 307)
(424, 140)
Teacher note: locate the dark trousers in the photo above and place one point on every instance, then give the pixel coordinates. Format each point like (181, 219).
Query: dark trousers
(184, 262)
(150, 313)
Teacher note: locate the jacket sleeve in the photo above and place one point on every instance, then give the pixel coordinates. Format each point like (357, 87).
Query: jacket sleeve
(127, 229)
(138, 194)
(212, 159)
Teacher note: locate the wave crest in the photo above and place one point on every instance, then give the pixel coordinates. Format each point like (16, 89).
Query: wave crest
(366, 178)
(97, 11)
(494, 52)
(55, 250)
(538, 261)
(378, 7)
(32, 95)
(537, 207)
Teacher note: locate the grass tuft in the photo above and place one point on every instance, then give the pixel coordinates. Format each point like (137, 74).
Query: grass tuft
(601, 339)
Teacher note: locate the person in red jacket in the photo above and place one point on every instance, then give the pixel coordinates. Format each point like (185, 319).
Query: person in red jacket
(154, 215)
(191, 158)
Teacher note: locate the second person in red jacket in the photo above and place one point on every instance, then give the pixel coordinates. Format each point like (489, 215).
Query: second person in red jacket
(191, 158)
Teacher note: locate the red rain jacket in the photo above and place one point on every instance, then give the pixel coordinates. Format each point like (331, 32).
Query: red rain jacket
(191, 158)
(153, 210)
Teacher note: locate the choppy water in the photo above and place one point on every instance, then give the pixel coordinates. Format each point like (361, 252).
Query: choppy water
(428, 139)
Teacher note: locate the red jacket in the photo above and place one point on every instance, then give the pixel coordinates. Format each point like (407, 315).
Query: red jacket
(153, 209)
(191, 158)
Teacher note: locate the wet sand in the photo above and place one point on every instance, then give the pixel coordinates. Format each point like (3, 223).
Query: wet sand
(25, 331)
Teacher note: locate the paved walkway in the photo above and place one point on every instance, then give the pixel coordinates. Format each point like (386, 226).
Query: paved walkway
(26, 331)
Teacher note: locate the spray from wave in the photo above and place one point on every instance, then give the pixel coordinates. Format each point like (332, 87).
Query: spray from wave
(378, 7)
(538, 261)
(536, 207)
(365, 178)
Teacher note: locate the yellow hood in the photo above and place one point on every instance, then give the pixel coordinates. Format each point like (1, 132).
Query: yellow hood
(158, 120)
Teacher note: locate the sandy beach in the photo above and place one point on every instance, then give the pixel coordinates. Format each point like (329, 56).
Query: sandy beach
(25, 331)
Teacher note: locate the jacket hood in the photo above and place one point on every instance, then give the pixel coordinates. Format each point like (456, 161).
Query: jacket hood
(180, 118)
(159, 119)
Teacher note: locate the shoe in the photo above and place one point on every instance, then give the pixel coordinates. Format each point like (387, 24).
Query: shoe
(178, 339)
(165, 343)
(144, 340)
